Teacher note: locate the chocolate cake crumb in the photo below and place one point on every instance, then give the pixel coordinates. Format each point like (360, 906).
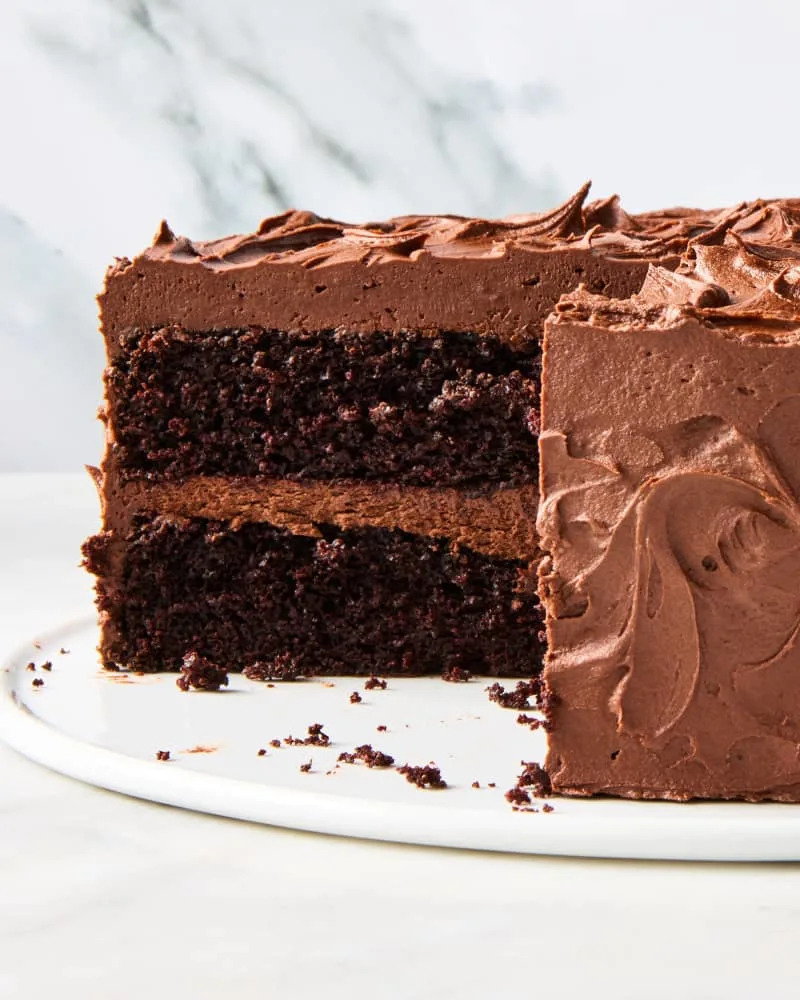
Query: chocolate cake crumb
(37, 682)
(533, 780)
(456, 675)
(530, 721)
(305, 768)
(374, 682)
(30, 666)
(426, 776)
(374, 758)
(476, 784)
(519, 697)
(518, 796)
(492, 784)
(535, 777)
(63, 651)
(262, 752)
(47, 665)
(282, 667)
(380, 729)
(316, 738)
(547, 808)
(163, 755)
(201, 674)
(275, 743)
(355, 698)
(367, 755)
(36, 644)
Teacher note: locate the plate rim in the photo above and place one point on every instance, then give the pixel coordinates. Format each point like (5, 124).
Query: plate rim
(681, 831)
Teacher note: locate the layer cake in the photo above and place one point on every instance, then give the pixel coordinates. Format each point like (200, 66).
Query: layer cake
(322, 438)
(323, 456)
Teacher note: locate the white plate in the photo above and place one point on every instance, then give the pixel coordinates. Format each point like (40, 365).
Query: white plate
(106, 729)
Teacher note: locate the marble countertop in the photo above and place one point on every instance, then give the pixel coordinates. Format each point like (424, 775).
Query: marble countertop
(104, 896)
(214, 115)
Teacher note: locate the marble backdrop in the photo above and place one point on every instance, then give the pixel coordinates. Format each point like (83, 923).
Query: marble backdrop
(215, 113)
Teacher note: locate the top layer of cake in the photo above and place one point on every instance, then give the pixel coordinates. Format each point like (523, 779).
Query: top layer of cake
(670, 513)
(405, 351)
(301, 272)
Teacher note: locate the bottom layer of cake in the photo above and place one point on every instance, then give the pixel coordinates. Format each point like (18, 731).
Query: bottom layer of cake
(356, 601)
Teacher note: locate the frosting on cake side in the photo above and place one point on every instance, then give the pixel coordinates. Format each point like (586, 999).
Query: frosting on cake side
(670, 515)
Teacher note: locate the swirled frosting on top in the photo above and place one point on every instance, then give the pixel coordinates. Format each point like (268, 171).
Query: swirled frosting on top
(731, 275)
(603, 225)
(302, 272)
(670, 515)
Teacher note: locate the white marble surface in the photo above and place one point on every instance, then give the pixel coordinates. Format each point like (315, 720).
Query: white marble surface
(103, 896)
(118, 112)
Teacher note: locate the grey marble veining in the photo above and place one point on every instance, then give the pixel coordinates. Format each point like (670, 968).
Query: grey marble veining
(211, 115)
(117, 113)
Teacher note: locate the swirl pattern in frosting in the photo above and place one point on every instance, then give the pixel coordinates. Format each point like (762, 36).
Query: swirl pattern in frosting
(602, 225)
(670, 516)
(302, 272)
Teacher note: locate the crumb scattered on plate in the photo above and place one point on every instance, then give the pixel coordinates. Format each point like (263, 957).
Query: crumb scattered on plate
(424, 776)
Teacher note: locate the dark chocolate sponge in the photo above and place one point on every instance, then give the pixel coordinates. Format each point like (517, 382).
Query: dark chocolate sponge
(359, 601)
(405, 408)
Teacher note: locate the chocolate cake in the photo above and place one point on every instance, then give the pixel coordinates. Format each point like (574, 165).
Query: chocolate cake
(670, 522)
(322, 439)
(323, 457)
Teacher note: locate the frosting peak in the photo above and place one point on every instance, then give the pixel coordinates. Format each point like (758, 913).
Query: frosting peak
(724, 278)
(758, 281)
(773, 222)
(661, 285)
(311, 240)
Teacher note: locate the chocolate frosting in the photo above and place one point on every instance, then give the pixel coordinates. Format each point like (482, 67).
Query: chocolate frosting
(670, 515)
(308, 239)
(727, 282)
(499, 523)
(300, 271)
(313, 241)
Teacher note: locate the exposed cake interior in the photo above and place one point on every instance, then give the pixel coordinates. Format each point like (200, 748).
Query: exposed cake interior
(321, 438)
(409, 408)
(353, 601)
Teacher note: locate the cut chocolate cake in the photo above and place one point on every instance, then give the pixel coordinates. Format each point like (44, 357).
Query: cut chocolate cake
(322, 439)
(670, 519)
(323, 457)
